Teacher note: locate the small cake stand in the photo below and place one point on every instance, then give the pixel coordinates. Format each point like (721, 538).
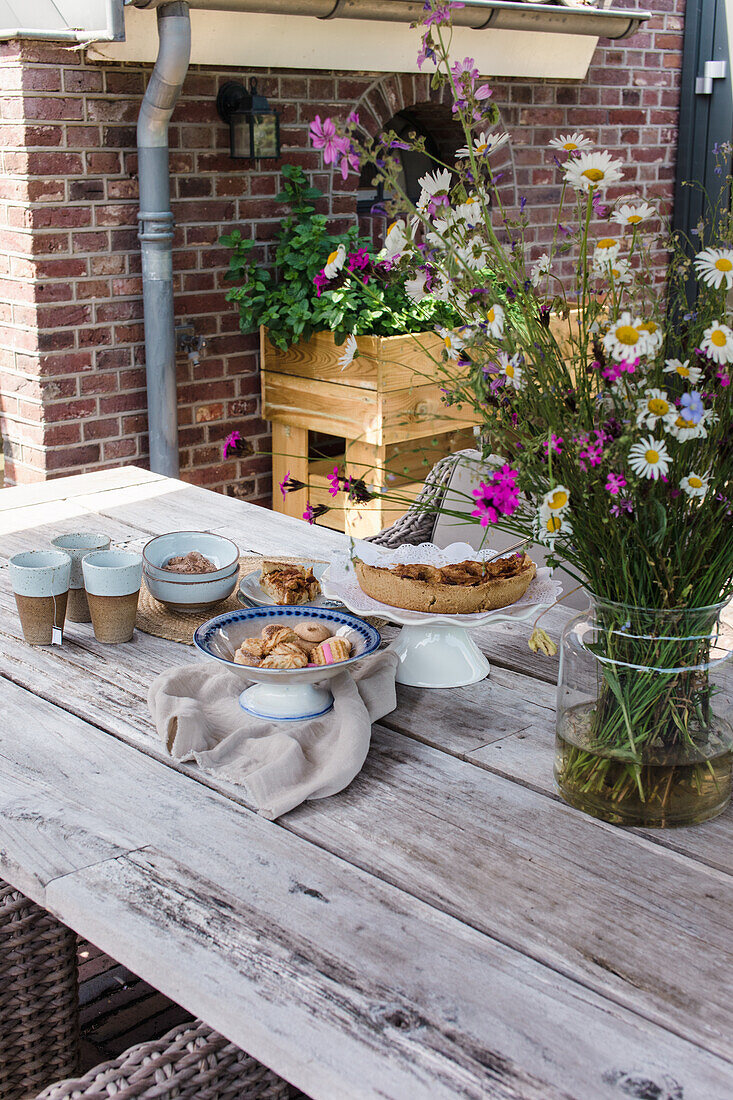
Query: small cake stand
(436, 651)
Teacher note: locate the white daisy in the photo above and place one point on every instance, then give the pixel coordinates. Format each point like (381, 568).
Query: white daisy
(629, 214)
(453, 343)
(335, 262)
(436, 183)
(649, 458)
(511, 369)
(539, 268)
(415, 288)
(495, 321)
(469, 211)
(350, 352)
(571, 143)
(683, 429)
(474, 253)
(549, 528)
(619, 271)
(394, 241)
(626, 339)
(694, 485)
(654, 406)
(607, 248)
(654, 334)
(717, 343)
(714, 266)
(590, 171)
(684, 370)
(484, 144)
(556, 501)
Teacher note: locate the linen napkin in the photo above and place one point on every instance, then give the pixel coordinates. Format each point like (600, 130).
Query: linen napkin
(198, 716)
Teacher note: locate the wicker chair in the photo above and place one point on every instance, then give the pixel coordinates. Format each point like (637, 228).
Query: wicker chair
(192, 1061)
(418, 523)
(39, 1002)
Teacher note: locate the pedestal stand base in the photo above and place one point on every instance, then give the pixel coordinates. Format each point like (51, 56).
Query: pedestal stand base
(438, 656)
(286, 702)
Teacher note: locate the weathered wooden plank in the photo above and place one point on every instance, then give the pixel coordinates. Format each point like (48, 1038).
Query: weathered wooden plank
(32, 528)
(22, 496)
(345, 984)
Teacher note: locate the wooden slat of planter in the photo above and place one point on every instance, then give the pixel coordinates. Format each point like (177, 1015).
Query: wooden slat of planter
(344, 411)
(239, 917)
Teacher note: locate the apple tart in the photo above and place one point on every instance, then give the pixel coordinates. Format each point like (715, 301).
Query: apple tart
(461, 589)
(288, 583)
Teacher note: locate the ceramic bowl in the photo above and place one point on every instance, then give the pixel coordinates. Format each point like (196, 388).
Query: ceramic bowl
(289, 694)
(201, 592)
(221, 551)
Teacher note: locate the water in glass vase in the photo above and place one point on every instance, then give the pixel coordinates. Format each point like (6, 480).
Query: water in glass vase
(682, 790)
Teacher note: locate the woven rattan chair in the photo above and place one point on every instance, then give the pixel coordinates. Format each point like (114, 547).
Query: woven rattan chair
(191, 1061)
(39, 1002)
(418, 522)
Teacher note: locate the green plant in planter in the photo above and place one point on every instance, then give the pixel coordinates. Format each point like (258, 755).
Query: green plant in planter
(290, 301)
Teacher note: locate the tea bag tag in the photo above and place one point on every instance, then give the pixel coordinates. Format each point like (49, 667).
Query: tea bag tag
(57, 635)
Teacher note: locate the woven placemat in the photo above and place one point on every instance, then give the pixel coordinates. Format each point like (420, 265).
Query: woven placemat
(177, 626)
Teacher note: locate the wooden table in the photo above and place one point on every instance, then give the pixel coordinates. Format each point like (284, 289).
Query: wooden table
(444, 928)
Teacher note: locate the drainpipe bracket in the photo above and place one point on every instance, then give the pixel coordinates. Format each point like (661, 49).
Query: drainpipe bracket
(156, 226)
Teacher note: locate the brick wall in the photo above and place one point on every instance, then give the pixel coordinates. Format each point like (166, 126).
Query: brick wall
(72, 387)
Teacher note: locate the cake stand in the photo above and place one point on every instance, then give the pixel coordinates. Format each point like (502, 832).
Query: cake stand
(435, 651)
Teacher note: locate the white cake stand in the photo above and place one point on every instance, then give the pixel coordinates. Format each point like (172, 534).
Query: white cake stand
(435, 651)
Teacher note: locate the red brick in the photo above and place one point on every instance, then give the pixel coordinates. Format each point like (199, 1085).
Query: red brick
(64, 458)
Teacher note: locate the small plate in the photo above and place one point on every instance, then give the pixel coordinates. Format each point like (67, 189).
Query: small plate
(251, 594)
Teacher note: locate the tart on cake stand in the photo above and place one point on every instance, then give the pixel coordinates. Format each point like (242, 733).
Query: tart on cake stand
(434, 650)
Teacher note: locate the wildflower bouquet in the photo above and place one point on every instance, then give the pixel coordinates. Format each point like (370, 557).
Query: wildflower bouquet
(611, 438)
(320, 280)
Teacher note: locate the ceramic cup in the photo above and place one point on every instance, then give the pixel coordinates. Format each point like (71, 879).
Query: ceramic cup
(77, 546)
(40, 580)
(112, 581)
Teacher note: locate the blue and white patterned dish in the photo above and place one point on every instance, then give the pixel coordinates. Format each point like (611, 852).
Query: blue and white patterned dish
(283, 694)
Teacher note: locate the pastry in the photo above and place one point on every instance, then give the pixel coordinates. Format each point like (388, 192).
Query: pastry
(288, 583)
(192, 562)
(250, 652)
(275, 635)
(461, 589)
(331, 651)
(287, 655)
(312, 632)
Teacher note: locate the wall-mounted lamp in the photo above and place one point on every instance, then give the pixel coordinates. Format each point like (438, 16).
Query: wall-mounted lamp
(254, 127)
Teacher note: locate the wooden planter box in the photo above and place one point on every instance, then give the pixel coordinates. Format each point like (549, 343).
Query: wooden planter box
(386, 406)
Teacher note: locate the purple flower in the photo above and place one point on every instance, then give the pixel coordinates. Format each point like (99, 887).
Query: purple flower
(498, 495)
(334, 482)
(556, 442)
(233, 442)
(313, 513)
(691, 407)
(623, 504)
(324, 136)
(290, 485)
(357, 261)
(615, 483)
(321, 282)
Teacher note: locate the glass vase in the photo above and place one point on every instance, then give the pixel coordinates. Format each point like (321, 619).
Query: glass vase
(644, 734)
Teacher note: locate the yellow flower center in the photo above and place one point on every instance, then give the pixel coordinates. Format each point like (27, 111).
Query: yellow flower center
(694, 482)
(482, 147)
(615, 272)
(680, 422)
(627, 334)
(491, 316)
(606, 242)
(333, 256)
(633, 219)
(448, 342)
(684, 372)
(652, 457)
(390, 228)
(558, 499)
(658, 407)
(595, 175)
(509, 370)
(650, 327)
(471, 200)
(570, 146)
(554, 523)
(718, 338)
(724, 264)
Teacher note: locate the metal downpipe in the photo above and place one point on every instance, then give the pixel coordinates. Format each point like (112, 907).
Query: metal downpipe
(156, 232)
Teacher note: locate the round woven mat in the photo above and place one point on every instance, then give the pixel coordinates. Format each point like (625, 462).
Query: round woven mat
(177, 626)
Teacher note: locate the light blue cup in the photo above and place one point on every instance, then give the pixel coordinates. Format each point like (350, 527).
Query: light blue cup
(112, 572)
(77, 546)
(40, 573)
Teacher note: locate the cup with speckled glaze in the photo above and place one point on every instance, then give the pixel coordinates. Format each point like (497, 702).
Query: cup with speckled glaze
(112, 581)
(40, 580)
(77, 545)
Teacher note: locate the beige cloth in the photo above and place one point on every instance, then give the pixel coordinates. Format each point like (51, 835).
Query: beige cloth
(280, 765)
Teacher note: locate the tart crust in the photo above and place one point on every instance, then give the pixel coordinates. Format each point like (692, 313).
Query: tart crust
(462, 589)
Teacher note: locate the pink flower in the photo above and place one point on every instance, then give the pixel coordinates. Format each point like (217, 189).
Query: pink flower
(615, 483)
(231, 443)
(498, 495)
(324, 136)
(283, 485)
(349, 161)
(321, 282)
(623, 505)
(334, 482)
(556, 442)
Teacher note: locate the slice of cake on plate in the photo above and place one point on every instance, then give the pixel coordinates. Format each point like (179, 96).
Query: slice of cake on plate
(288, 583)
